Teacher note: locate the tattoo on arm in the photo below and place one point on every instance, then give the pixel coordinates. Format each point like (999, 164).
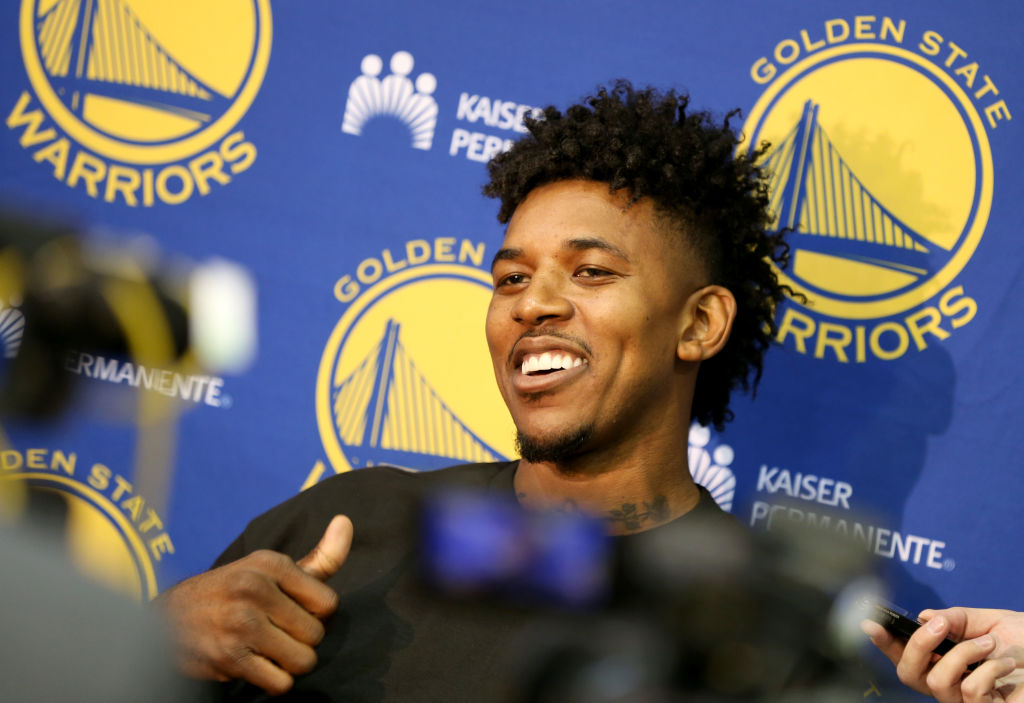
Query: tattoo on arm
(633, 518)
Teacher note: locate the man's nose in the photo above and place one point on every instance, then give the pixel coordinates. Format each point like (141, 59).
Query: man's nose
(541, 301)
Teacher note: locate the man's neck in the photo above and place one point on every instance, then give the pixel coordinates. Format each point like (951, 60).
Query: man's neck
(632, 494)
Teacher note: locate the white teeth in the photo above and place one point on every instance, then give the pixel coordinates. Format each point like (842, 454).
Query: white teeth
(550, 361)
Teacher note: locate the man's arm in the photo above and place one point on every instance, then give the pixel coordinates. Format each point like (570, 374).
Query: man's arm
(257, 618)
(995, 638)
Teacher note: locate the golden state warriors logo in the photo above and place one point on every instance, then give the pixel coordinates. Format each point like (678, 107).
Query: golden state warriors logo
(406, 378)
(144, 94)
(114, 535)
(881, 168)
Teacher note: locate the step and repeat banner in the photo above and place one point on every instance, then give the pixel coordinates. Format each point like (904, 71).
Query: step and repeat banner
(336, 151)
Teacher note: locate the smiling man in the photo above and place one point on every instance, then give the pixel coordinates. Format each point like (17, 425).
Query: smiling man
(597, 327)
(633, 293)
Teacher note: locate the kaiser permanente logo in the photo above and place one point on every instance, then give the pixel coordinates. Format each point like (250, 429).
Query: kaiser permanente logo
(824, 503)
(397, 96)
(176, 383)
(138, 101)
(12, 328)
(881, 166)
(711, 465)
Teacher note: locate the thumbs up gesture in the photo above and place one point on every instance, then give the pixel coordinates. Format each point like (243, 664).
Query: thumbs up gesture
(258, 618)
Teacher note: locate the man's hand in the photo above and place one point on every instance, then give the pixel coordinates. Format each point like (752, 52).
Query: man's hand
(258, 618)
(995, 638)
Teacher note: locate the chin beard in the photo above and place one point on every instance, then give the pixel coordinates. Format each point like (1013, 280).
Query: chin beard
(553, 449)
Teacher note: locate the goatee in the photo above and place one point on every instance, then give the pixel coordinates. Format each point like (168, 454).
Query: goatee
(553, 449)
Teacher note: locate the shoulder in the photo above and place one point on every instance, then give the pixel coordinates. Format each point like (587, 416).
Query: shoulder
(391, 483)
(373, 498)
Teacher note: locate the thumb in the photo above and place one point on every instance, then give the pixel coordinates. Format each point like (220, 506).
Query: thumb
(330, 553)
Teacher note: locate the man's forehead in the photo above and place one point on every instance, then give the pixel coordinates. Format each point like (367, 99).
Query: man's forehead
(579, 213)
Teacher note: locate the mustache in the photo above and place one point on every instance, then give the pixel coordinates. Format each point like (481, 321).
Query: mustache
(556, 334)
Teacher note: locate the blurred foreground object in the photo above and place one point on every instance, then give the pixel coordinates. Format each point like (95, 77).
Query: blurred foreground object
(689, 611)
(62, 293)
(66, 639)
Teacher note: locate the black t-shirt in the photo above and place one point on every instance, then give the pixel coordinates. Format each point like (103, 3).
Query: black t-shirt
(390, 639)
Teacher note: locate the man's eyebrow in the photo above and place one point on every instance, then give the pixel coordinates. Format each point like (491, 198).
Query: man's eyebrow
(584, 243)
(506, 254)
(575, 244)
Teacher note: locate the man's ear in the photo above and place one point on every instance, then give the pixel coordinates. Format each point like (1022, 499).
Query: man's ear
(706, 323)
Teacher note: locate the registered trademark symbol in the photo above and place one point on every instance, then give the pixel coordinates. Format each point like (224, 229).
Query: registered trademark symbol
(949, 564)
(226, 401)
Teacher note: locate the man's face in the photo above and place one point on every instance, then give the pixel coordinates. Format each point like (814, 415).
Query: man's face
(584, 322)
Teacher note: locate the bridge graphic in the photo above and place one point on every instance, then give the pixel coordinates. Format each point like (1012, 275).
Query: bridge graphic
(100, 47)
(386, 412)
(829, 209)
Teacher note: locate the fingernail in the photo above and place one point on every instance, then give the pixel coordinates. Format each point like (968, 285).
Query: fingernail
(985, 641)
(936, 625)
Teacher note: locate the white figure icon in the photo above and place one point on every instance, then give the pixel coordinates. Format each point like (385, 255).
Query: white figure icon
(712, 469)
(363, 94)
(12, 327)
(396, 95)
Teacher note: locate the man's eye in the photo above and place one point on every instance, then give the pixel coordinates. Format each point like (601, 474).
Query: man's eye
(513, 279)
(592, 272)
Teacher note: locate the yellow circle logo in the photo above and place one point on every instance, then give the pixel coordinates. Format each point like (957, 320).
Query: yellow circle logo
(406, 378)
(146, 81)
(102, 541)
(881, 167)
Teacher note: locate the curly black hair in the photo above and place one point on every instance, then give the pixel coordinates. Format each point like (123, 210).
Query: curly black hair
(648, 143)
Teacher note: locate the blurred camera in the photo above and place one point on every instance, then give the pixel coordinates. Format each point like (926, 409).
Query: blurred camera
(64, 291)
(697, 610)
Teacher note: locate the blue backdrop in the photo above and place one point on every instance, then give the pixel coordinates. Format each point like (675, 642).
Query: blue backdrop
(336, 150)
